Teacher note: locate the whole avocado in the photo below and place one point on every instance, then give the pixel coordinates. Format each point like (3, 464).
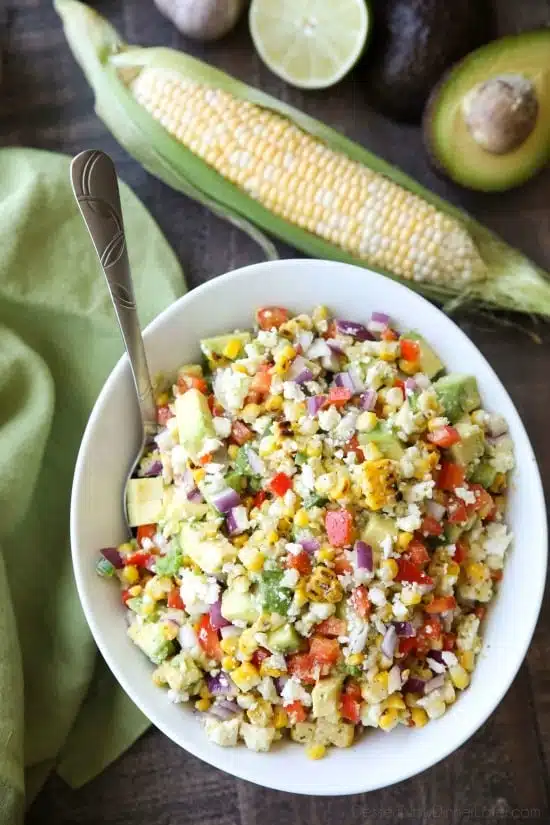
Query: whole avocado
(413, 43)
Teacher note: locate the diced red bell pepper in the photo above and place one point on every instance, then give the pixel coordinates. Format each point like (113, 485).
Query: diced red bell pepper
(145, 531)
(432, 628)
(300, 562)
(484, 503)
(444, 437)
(240, 433)
(450, 476)
(331, 627)
(175, 600)
(417, 553)
(339, 527)
(350, 708)
(261, 383)
(125, 595)
(440, 604)
(457, 512)
(480, 611)
(209, 639)
(269, 317)
(280, 484)
(139, 558)
(296, 712)
(324, 651)
(449, 641)
(410, 350)
(353, 689)
(431, 526)
(353, 447)
(192, 382)
(409, 572)
(338, 396)
(206, 458)
(360, 601)
(302, 666)
(400, 384)
(259, 498)
(461, 551)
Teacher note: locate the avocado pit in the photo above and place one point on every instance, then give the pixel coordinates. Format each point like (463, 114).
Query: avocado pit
(501, 112)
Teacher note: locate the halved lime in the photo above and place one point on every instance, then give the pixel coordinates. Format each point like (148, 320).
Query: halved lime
(311, 44)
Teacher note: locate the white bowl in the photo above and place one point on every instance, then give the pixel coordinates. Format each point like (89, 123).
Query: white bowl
(109, 445)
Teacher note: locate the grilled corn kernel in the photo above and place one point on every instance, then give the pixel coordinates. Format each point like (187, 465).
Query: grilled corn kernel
(284, 359)
(274, 403)
(411, 699)
(252, 559)
(301, 519)
(316, 751)
(267, 670)
(323, 586)
(388, 352)
(239, 541)
(314, 449)
(250, 413)
(381, 679)
(300, 595)
(130, 574)
(388, 719)
(408, 367)
(388, 570)
(204, 693)
(232, 451)
(395, 701)
(355, 659)
(476, 572)
(203, 704)
(459, 677)
(229, 663)
(272, 537)
(453, 569)
(467, 659)
(158, 587)
(284, 525)
(366, 422)
(403, 540)
(419, 717)
(247, 643)
(199, 474)
(229, 645)
(162, 399)
(280, 718)
(386, 612)
(410, 597)
(326, 553)
(246, 676)
(232, 348)
(135, 590)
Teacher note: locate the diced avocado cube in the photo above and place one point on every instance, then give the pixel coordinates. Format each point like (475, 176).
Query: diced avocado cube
(284, 640)
(194, 421)
(274, 598)
(144, 500)
(326, 697)
(180, 673)
(458, 394)
(257, 738)
(429, 361)
(323, 732)
(379, 528)
(483, 474)
(236, 481)
(210, 553)
(304, 733)
(453, 532)
(385, 440)
(471, 446)
(239, 606)
(223, 346)
(151, 639)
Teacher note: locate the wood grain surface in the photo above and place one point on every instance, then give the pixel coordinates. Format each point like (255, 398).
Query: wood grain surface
(502, 774)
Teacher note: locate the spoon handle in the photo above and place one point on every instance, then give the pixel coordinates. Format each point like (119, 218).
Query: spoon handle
(95, 187)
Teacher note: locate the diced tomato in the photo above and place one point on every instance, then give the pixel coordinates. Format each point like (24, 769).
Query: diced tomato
(206, 458)
(400, 384)
(416, 553)
(457, 512)
(269, 317)
(350, 708)
(440, 604)
(259, 655)
(431, 526)
(139, 559)
(449, 641)
(163, 415)
(444, 437)
(296, 712)
(353, 689)
(302, 666)
(213, 406)
(360, 601)
(342, 565)
(409, 572)
(280, 484)
(418, 645)
(410, 350)
(389, 334)
(407, 644)
(259, 498)
(240, 433)
(332, 330)
(338, 396)
(461, 551)
(480, 611)
(484, 503)
(300, 562)
(431, 628)
(261, 383)
(339, 527)
(324, 651)
(192, 382)
(331, 627)
(175, 600)
(145, 531)
(353, 447)
(125, 595)
(450, 476)
(209, 639)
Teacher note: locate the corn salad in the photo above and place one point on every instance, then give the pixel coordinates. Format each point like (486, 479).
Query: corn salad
(318, 530)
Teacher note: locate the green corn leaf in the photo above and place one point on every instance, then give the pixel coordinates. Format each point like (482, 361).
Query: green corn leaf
(513, 282)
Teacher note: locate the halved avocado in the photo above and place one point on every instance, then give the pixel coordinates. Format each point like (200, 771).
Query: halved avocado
(487, 123)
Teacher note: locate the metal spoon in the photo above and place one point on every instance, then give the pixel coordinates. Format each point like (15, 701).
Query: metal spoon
(95, 188)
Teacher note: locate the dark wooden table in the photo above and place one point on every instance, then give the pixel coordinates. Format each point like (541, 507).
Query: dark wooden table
(502, 774)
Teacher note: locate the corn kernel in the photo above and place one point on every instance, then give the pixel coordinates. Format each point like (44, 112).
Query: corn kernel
(229, 645)
(387, 353)
(408, 367)
(314, 449)
(320, 313)
(300, 595)
(301, 519)
(476, 571)
(388, 719)
(316, 751)
(162, 399)
(239, 541)
(240, 368)
(411, 699)
(326, 553)
(232, 348)
(388, 569)
(268, 445)
(157, 678)
(199, 474)
(355, 659)
(232, 451)
(395, 701)
(419, 717)
(381, 679)
(229, 663)
(126, 548)
(366, 422)
(247, 643)
(250, 413)
(274, 403)
(459, 677)
(203, 704)
(499, 484)
(410, 597)
(204, 693)
(280, 718)
(170, 630)
(148, 606)
(135, 590)
(340, 489)
(403, 540)
(272, 537)
(453, 569)
(467, 659)
(371, 452)
(246, 676)
(130, 574)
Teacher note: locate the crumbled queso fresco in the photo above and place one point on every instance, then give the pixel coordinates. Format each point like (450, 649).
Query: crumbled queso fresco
(319, 528)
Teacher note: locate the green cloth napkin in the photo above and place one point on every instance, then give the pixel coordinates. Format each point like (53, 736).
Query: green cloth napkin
(59, 706)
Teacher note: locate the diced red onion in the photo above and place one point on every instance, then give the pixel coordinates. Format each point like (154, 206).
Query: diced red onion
(404, 629)
(280, 682)
(304, 339)
(437, 656)
(414, 685)
(358, 383)
(344, 379)
(225, 500)
(354, 329)
(380, 318)
(335, 346)
(256, 464)
(229, 704)
(389, 642)
(112, 555)
(435, 666)
(319, 349)
(315, 403)
(220, 685)
(331, 362)
(237, 520)
(299, 371)
(230, 631)
(216, 619)
(187, 481)
(154, 470)
(368, 400)
(220, 712)
(497, 426)
(435, 683)
(364, 556)
(435, 509)
(310, 545)
(195, 496)
(394, 679)
(410, 385)
(187, 637)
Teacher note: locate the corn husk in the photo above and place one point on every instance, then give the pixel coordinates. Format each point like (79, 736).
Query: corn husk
(513, 282)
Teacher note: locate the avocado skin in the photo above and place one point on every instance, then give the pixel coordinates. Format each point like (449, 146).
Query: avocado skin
(413, 43)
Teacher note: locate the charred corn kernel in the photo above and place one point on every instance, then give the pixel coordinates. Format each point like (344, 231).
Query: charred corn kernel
(388, 719)
(246, 676)
(381, 679)
(467, 659)
(130, 574)
(232, 348)
(323, 586)
(410, 597)
(395, 701)
(272, 537)
(355, 659)
(388, 569)
(476, 571)
(378, 483)
(301, 519)
(267, 445)
(316, 751)
(326, 553)
(459, 677)
(419, 717)
(232, 451)
(267, 670)
(203, 704)
(135, 590)
(409, 367)
(261, 713)
(403, 540)
(229, 663)
(162, 399)
(453, 569)
(284, 525)
(229, 645)
(411, 699)
(170, 630)
(204, 693)
(247, 644)
(366, 422)
(499, 484)
(284, 359)
(340, 489)
(280, 718)
(198, 474)
(250, 413)
(239, 541)
(314, 449)
(274, 403)
(371, 452)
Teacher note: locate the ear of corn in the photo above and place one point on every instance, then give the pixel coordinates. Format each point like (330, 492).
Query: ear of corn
(261, 163)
